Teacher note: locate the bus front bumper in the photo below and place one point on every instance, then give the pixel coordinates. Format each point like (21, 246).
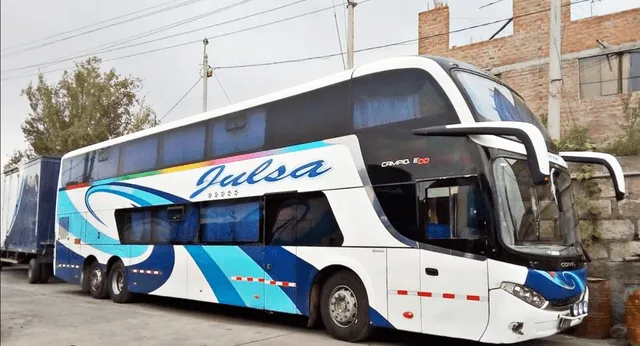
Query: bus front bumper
(512, 320)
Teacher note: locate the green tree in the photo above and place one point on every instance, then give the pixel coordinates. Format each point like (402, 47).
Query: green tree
(85, 107)
(18, 157)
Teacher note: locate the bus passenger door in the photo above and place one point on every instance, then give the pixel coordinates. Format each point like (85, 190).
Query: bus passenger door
(453, 272)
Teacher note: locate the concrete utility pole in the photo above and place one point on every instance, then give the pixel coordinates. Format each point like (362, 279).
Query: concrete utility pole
(351, 5)
(555, 72)
(205, 75)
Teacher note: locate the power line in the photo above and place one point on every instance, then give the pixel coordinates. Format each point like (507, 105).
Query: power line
(335, 16)
(188, 2)
(105, 47)
(53, 62)
(84, 27)
(182, 98)
(215, 75)
(404, 42)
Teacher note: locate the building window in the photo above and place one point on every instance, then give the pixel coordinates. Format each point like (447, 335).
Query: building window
(610, 74)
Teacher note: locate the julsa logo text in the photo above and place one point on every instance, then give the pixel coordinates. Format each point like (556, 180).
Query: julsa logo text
(264, 172)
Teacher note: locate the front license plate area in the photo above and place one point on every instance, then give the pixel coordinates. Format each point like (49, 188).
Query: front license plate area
(564, 323)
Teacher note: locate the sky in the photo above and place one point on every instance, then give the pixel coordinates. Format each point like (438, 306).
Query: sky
(168, 74)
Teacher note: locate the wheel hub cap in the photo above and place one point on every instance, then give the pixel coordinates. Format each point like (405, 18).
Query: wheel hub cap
(343, 306)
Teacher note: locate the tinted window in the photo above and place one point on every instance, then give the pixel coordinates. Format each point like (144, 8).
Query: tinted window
(453, 209)
(237, 133)
(103, 163)
(315, 115)
(139, 155)
(448, 213)
(182, 222)
(301, 219)
(183, 145)
(230, 222)
(399, 205)
(394, 96)
(158, 225)
(73, 170)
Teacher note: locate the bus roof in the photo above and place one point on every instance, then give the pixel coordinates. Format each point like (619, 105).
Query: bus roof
(264, 99)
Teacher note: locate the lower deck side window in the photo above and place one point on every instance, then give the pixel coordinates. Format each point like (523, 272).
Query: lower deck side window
(303, 219)
(450, 213)
(229, 222)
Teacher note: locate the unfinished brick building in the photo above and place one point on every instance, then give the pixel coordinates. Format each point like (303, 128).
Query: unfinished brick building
(600, 60)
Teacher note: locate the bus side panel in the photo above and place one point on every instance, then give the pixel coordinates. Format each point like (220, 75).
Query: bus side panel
(403, 284)
(68, 249)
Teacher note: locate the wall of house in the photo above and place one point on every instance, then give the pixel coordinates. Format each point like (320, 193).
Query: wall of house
(522, 58)
(616, 255)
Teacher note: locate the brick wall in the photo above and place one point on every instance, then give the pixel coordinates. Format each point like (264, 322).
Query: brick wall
(619, 227)
(522, 58)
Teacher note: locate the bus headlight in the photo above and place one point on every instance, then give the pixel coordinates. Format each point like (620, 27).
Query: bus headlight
(580, 308)
(528, 295)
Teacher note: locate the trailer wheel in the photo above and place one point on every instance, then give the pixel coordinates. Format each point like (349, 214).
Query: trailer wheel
(344, 307)
(46, 269)
(118, 284)
(97, 282)
(33, 274)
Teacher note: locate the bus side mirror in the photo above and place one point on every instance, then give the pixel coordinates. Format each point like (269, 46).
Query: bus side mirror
(534, 144)
(606, 160)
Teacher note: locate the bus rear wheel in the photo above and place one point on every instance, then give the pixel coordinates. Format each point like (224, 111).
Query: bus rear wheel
(97, 282)
(118, 284)
(345, 307)
(33, 273)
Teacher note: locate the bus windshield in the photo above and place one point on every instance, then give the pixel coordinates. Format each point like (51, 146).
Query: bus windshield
(493, 101)
(535, 218)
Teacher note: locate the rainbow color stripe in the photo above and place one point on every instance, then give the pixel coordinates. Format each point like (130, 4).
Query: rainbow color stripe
(202, 164)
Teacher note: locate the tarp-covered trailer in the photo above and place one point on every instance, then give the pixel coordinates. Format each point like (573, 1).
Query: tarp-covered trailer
(28, 215)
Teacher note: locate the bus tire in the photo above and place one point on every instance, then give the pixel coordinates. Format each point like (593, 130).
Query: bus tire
(46, 269)
(33, 273)
(118, 284)
(344, 307)
(84, 278)
(97, 283)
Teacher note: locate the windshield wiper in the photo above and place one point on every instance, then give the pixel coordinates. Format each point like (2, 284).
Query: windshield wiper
(536, 214)
(579, 244)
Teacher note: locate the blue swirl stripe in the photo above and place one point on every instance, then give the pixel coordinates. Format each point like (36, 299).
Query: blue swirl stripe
(556, 286)
(140, 195)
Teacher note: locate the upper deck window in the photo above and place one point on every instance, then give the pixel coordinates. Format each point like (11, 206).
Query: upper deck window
(139, 155)
(183, 145)
(236, 133)
(398, 95)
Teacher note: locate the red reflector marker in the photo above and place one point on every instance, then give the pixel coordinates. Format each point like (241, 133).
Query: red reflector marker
(408, 314)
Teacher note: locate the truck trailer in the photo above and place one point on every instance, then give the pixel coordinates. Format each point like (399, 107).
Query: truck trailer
(28, 216)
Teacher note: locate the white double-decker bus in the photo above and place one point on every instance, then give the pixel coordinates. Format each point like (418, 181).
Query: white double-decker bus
(415, 193)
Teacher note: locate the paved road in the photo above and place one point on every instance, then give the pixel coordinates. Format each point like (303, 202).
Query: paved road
(58, 314)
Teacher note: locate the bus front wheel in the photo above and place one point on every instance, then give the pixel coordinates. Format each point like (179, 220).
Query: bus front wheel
(118, 283)
(345, 307)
